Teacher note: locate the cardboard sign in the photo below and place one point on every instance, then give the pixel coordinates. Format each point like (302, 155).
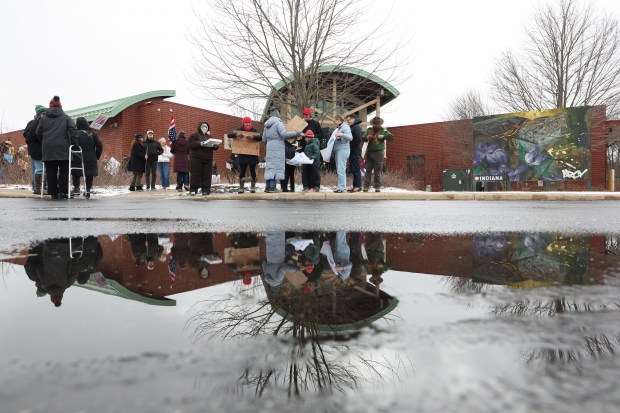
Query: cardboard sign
(242, 256)
(243, 146)
(296, 124)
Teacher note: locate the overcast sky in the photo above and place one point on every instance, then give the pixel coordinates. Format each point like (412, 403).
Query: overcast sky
(91, 52)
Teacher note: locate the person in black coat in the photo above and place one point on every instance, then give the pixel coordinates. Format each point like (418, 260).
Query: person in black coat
(57, 131)
(91, 152)
(246, 161)
(137, 162)
(35, 149)
(315, 127)
(153, 150)
(201, 159)
(356, 152)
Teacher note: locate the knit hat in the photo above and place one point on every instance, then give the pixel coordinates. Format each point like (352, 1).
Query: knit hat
(247, 278)
(246, 120)
(309, 134)
(55, 102)
(39, 109)
(307, 111)
(376, 121)
(138, 136)
(41, 292)
(149, 131)
(56, 299)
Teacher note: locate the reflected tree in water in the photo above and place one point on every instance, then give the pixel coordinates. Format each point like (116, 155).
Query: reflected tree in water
(314, 351)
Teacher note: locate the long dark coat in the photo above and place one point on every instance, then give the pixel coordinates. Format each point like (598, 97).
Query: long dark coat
(180, 149)
(57, 131)
(91, 152)
(137, 163)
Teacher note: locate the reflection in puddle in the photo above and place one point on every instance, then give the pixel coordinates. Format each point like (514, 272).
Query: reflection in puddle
(151, 267)
(340, 312)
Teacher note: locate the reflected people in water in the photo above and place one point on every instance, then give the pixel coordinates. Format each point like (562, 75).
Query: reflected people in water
(201, 253)
(55, 265)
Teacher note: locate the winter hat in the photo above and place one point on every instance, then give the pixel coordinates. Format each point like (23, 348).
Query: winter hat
(56, 299)
(39, 109)
(55, 102)
(307, 111)
(274, 112)
(41, 292)
(247, 278)
(376, 121)
(309, 134)
(181, 134)
(149, 131)
(246, 119)
(138, 136)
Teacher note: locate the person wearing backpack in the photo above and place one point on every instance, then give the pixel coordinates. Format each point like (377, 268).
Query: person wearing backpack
(91, 152)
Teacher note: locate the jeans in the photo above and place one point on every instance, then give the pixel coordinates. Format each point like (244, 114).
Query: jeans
(354, 166)
(270, 183)
(182, 179)
(342, 154)
(36, 168)
(163, 169)
(151, 173)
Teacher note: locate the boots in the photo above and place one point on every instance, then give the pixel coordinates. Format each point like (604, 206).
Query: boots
(253, 186)
(38, 179)
(241, 186)
(132, 188)
(139, 188)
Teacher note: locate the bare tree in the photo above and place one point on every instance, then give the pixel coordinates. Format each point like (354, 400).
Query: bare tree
(571, 58)
(468, 105)
(247, 47)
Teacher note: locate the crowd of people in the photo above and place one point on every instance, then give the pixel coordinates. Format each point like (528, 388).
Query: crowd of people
(51, 133)
(52, 136)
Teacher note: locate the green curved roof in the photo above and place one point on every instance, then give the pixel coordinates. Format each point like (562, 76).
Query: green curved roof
(350, 70)
(117, 289)
(114, 107)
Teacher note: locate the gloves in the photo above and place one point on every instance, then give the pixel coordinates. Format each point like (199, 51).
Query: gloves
(203, 144)
(215, 147)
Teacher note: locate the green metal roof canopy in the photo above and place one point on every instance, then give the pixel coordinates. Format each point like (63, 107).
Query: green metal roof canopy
(114, 107)
(366, 92)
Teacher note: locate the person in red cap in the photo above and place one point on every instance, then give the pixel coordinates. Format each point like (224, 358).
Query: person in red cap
(311, 173)
(317, 130)
(246, 160)
(58, 132)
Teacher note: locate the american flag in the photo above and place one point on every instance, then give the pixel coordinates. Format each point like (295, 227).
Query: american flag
(172, 270)
(172, 129)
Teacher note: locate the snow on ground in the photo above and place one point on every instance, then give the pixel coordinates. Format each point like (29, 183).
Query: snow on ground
(215, 188)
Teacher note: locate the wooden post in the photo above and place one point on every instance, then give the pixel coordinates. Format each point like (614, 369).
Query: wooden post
(612, 180)
(378, 106)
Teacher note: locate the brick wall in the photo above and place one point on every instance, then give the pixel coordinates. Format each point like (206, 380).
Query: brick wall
(448, 145)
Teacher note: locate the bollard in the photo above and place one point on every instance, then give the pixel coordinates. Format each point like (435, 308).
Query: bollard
(612, 180)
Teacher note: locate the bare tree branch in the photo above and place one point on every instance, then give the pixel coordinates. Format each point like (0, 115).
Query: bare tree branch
(244, 48)
(571, 58)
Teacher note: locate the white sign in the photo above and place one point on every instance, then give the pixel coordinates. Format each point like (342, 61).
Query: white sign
(97, 124)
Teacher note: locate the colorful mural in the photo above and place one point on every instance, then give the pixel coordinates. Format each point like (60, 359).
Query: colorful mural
(549, 145)
(530, 259)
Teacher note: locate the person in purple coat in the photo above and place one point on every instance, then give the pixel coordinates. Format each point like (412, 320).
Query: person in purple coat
(180, 149)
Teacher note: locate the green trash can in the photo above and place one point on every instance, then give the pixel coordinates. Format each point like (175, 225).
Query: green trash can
(457, 180)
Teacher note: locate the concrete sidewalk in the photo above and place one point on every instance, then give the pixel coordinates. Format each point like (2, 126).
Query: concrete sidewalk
(331, 196)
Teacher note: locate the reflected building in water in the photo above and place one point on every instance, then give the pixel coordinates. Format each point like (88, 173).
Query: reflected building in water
(152, 267)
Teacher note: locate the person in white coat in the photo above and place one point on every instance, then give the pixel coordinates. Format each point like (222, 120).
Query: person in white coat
(274, 135)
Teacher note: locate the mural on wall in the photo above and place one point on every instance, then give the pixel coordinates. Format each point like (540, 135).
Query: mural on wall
(549, 145)
(530, 259)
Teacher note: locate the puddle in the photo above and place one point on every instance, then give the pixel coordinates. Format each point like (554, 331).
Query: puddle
(321, 321)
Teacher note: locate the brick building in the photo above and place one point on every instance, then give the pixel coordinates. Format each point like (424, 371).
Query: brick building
(420, 152)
